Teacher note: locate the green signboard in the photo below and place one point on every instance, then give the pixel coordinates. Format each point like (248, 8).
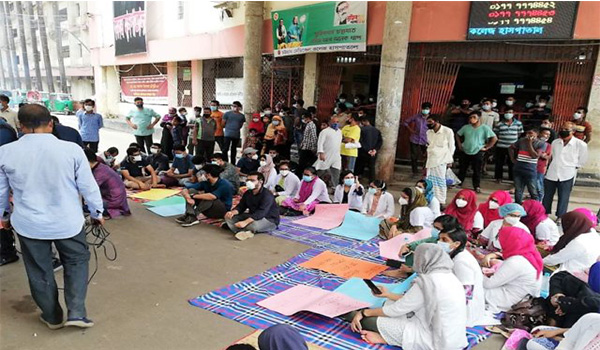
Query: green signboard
(324, 27)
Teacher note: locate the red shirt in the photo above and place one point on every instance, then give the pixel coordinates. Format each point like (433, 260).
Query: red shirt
(582, 129)
(542, 164)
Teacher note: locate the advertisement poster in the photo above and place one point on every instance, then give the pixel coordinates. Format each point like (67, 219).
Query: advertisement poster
(324, 27)
(129, 26)
(154, 89)
(500, 20)
(229, 90)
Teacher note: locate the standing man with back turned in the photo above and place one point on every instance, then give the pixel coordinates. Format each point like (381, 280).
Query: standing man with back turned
(47, 176)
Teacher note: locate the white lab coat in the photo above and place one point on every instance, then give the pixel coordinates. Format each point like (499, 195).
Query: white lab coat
(510, 284)
(578, 255)
(329, 143)
(582, 333)
(413, 333)
(291, 185)
(385, 207)
(271, 181)
(354, 200)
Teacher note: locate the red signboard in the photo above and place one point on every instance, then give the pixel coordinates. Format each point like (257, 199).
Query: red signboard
(154, 89)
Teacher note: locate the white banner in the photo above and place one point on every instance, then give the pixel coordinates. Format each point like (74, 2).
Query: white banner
(229, 90)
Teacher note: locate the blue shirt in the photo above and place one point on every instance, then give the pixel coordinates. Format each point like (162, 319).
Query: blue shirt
(142, 118)
(67, 133)
(89, 126)
(222, 189)
(183, 164)
(233, 123)
(7, 133)
(47, 176)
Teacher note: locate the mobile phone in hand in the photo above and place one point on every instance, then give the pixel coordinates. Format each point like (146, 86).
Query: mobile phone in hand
(393, 263)
(372, 286)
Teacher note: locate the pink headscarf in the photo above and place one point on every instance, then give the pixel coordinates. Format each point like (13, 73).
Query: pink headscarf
(590, 215)
(536, 213)
(489, 215)
(516, 241)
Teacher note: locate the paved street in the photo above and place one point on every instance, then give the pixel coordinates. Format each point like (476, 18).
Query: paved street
(139, 301)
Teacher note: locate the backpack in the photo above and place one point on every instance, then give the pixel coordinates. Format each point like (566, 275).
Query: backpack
(526, 314)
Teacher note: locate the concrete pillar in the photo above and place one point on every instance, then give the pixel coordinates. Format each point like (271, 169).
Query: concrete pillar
(253, 25)
(172, 81)
(309, 88)
(197, 73)
(592, 167)
(394, 54)
(107, 88)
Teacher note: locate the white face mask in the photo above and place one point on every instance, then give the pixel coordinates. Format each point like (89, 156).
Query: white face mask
(511, 220)
(403, 201)
(493, 205)
(494, 104)
(198, 166)
(284, 173)
(542, 104)
(486, 107)
(461, 203)
(508, 116)
(263, 163)
(89, 108)
(153, 150)
(137, 158)
(202, 178)
(577, 116)
(255, 157)
(250, 185)
(509, 102)
(420, 189)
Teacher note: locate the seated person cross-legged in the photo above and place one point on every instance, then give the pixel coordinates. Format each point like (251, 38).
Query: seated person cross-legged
(230, 172)
(287, 183)
(198, 174)
(112, 189)
(158, 160)
(257, 211)
(181, 170)
(137, 173)
(312, 192)
(212, 199)
(414, 215)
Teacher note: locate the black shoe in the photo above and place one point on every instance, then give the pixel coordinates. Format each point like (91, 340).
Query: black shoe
(181, 219)
(9, 259)
(56, 264)
(190, 221)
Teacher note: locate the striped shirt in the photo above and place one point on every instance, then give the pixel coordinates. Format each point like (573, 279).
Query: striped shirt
(525, 161)
(508, 134)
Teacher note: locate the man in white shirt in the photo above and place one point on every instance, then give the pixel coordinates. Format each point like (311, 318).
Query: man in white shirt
(8, 114)
(568, 154)
(440, 151)
(328, 150)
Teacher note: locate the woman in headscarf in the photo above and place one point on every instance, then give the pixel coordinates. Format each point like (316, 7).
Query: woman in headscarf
(518, 275)
(426, 187)
(574, 298)
(540, 225)
(312, 192)
(270, 134)
(489, 208)
(590, 214)
(431, 315)
(464, 208)
(257, 124)
(281, 337)
(280, 135)
(414, 215)
(267, 168)
(510, 215)
(578, 247)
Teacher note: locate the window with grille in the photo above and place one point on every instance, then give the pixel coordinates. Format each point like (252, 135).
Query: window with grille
(184, 84)
(66, 52)
(221, 68)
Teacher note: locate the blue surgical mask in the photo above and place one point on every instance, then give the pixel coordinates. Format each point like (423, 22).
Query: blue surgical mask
(179, 155)
(435, 233)
(445, 246)
(348, 182)
(213, 108)
(307, 178)
(425, 112)
(335, 126)
(372, 190)
(214, 162)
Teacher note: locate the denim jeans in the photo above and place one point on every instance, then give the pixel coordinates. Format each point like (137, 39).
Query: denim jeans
(540, 186)
(564, 193)
(75, 257)
(522, 179)
(350, 163)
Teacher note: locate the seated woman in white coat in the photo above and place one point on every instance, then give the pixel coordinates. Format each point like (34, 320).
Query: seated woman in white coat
(378, 202)
(540, 225)
(415, 215)
(349, 191)
(511, 217)
(312, 192)
(426, 187)
(267, 169)
(584, 335)
(579, 246)
(432, 315)
(469, 273)
(287, 184)
(518, 275)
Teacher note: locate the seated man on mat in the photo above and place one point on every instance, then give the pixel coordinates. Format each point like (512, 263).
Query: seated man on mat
(181, 170)
(213, 198)
(112, 189)
(262, 215)
(137, 173)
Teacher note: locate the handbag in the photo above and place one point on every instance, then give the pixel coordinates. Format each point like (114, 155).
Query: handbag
(526, 314)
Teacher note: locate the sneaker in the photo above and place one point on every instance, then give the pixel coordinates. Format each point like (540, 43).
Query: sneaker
(81, 322)
(56, 264)
(478, 189)
(190, 221)
(181, 219)
(244, 235)
(50, 325)
(9, 260)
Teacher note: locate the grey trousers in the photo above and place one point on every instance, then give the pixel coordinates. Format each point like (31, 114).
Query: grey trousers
(332, 173)
(258, 226)
(75, 257)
